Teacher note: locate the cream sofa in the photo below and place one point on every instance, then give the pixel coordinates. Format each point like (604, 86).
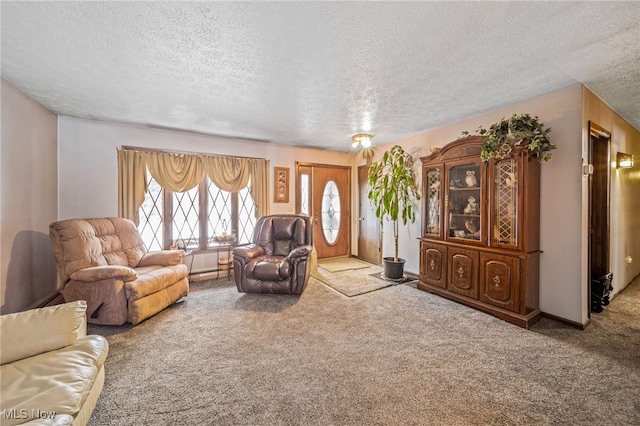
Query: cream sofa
(104, 262)
(52, 372)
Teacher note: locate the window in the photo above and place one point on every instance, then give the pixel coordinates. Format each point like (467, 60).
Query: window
(198, 217)
(150, 226)
(304, 194)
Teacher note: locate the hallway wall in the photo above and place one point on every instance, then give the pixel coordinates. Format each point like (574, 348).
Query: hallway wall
(624, 205)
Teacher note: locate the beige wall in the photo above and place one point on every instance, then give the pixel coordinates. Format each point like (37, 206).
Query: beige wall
(29, 200)
(88, 176)
(625, 190)
(89, 173)
(562, 289)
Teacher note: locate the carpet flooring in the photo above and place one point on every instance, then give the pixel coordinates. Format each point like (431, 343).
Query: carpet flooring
(397, 356)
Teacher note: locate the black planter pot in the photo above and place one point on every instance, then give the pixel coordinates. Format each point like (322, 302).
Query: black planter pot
(393, 270)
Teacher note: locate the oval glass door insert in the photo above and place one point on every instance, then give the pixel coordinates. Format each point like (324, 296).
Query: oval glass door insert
(330, 214)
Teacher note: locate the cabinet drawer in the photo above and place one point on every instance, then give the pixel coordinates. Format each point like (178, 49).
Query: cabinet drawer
(499, 281)
(462, 272)
(432, 264)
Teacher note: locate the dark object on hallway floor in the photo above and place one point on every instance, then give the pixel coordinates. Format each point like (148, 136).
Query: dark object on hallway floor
(600, 290)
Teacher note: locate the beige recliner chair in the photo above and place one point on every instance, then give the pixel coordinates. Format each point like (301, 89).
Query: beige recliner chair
(104, 262)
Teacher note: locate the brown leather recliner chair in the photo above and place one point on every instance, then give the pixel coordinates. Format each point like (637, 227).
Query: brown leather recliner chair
(279, 259)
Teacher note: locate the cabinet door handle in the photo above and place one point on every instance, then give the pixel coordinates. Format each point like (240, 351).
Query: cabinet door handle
(432, 264)
(460, 272)
(496, 281)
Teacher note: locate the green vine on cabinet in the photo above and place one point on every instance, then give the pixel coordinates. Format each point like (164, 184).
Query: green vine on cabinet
(500, 138)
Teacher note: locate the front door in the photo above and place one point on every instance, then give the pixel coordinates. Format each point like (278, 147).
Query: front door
(324, 195)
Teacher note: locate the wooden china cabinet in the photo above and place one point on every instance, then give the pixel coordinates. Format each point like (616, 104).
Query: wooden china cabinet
(481, 232)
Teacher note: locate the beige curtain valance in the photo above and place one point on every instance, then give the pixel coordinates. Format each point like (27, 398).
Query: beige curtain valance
(180, 172)
(227, 173)
(175, 172)
(233, 173)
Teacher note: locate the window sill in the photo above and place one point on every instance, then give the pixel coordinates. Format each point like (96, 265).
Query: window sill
(221, 248)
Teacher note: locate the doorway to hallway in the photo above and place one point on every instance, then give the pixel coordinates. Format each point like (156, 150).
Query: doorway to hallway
(599, 197)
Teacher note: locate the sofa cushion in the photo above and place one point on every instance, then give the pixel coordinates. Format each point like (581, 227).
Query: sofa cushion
(281, 247)
(84, 243)
(53, 327)
(58, 381)
(152, 279)
(162, 258)
(269, 268)
(98, 273)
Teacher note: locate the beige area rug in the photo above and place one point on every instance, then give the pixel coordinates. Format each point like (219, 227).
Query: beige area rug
(343, 264)
(353, 282)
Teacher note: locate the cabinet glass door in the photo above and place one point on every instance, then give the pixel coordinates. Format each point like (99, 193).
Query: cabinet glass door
(433, 201)
(465, 202)
(504, 212)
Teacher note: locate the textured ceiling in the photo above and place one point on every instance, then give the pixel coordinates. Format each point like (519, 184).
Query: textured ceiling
(315, 73)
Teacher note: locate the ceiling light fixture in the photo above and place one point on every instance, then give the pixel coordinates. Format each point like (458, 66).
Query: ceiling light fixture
(624, 161)
(363, 139)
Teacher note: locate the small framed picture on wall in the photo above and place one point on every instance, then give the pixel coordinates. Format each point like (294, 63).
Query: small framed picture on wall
(281, 185)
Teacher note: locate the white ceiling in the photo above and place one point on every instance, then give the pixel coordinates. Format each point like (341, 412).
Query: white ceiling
(315, 73)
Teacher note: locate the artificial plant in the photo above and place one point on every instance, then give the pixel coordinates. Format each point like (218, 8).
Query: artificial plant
(502, 137)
